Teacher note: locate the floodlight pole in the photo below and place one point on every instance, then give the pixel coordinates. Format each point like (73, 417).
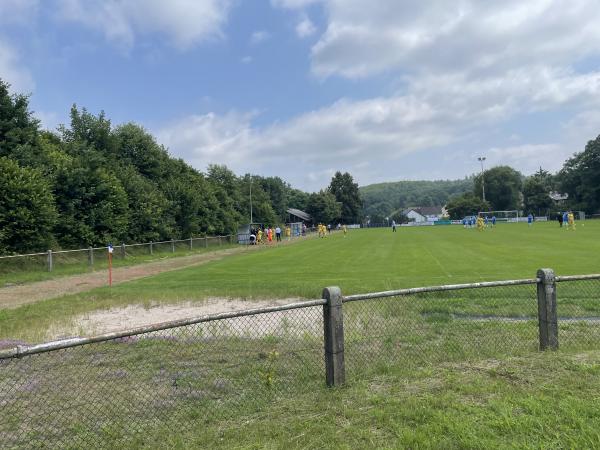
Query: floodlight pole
(250, 199)
(481, 159)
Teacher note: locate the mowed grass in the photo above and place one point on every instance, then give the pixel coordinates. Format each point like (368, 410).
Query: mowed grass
(440, 370)
(363, 261)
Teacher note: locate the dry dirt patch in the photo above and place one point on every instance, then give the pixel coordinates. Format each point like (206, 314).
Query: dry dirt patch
(295, 321)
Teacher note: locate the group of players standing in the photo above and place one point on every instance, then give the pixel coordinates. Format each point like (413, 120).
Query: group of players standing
(323, 229)
(480, 222)
(265, 235)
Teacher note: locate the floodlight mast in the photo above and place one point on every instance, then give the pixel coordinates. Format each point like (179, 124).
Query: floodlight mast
(481, 159)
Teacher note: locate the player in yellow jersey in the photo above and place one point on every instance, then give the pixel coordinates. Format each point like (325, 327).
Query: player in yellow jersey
(480, 223)
(571, 221)
(259, 236)
(345, 229)
(288, 232)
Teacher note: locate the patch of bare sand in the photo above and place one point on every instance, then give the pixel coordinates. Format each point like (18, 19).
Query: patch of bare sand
(295, 322)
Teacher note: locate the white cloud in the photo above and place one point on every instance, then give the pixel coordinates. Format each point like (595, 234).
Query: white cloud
(13, 71)
(246, 59)
(294, 4)
(475, 36)
(305, 27)
(528, 158)
(259, 36)
(184, 22)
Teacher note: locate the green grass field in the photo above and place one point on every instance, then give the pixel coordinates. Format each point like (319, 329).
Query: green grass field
(424, 371)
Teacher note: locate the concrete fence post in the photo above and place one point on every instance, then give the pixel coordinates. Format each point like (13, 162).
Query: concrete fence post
(206, 242)
(91, 256)
(333, 327)
(172, 246)
(123, 250)
(151, 249)
(547, 318)
(50, 263)
(191, 243)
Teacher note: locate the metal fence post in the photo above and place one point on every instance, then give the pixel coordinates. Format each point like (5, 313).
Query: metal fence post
(50, 265)
(151, 249)
(172, 246)
(191, 243)
(123, 250)
(333, 326)
(91, 256)
(547, 318)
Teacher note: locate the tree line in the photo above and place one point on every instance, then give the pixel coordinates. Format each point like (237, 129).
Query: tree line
(91, 183)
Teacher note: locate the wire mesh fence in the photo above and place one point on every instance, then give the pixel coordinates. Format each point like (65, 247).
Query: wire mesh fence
(578, 311)
(111, 393)
(116, 390)
(68, 261)
(430, 327)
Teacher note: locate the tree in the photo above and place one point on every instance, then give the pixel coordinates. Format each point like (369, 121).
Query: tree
(346, 192)
(323, 207)
(27, 213)
(502, 188)
(580, 178)
(466, 204)
(535, 193)
(18, 127)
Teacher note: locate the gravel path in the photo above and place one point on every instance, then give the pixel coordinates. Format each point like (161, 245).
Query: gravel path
(15, 296)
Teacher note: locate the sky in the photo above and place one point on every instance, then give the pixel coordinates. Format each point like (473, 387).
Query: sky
(387, 90)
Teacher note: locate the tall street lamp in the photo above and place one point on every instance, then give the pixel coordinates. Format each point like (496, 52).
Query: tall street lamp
(481, 159)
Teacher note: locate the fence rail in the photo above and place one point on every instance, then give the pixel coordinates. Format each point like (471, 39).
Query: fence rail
(50, 256)
(115, 388)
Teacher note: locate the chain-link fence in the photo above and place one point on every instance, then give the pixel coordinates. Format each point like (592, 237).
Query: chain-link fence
(112, 392)
(115, 390)
(64, 260)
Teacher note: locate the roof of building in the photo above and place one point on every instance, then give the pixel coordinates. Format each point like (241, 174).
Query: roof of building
(298, 213)
(426, 210)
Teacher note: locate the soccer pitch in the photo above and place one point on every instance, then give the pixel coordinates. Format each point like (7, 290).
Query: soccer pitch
(377, 259)
(364, 261)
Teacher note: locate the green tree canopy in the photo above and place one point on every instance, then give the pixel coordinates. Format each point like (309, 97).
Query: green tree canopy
(466, 204)
(535, 193)
(502, 188)
(346, 192)
(580, 178)
(27, 213)
(323, 207)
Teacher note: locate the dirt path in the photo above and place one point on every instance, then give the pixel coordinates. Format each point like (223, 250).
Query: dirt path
(14, 296)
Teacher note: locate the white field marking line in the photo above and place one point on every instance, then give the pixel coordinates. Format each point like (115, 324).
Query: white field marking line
(437, 261)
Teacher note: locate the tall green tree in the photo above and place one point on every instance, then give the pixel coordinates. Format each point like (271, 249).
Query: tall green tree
(580, 178)
(323, 207)
(502, 188)
(466, 204)
(535, 193)
(346, 192)
(27, 213)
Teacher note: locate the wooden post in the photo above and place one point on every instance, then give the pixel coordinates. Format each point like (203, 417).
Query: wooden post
(172, 246)
(547, 318)
(191, 243)
(91, 256)
(151, 249)
(50, 264)
(333, 326)
(123, 250)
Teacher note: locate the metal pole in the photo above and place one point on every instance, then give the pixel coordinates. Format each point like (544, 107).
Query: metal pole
(250, 200)
(481, 159)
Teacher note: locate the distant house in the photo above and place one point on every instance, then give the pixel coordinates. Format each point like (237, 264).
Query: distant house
(425, 213)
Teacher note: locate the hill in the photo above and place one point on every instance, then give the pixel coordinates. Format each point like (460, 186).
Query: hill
(382, 199)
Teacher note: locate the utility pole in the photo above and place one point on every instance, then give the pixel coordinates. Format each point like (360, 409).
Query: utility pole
(250, 199)
(481, 159)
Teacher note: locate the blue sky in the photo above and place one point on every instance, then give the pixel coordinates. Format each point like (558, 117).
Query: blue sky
(386, 90)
